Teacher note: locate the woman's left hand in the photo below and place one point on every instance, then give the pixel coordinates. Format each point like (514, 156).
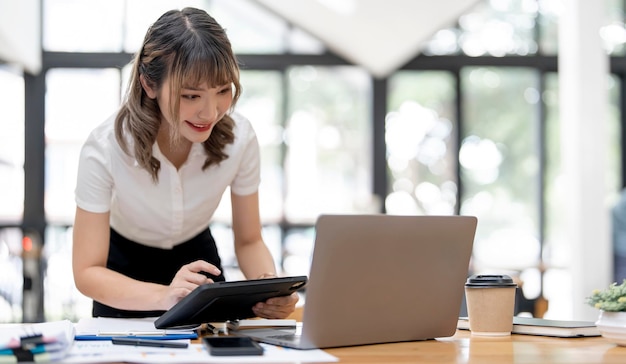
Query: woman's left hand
(277, 307)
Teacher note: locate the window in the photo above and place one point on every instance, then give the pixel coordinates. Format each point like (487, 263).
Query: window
(77, 100)
(474, 134)
(327, 135)
(11, 278)
(11, 145)
(11, 193)
(420, 135)
(495, 28)
(499, 165)
(78, 26)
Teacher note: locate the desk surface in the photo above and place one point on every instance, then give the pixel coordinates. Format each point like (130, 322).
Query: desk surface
(464, 348)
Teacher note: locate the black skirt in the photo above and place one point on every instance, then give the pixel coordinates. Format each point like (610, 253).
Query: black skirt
(155, 265)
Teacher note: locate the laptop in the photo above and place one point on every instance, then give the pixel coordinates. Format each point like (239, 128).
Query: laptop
(380, 279)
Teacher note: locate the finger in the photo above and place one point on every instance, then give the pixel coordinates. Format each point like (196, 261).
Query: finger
(199, 279)
(180, 292)
(189, 280)
(174, 295)
(184, 284)
(267, 311)
(203, 266)
(292, 299)
(184, 276)
(269, 308)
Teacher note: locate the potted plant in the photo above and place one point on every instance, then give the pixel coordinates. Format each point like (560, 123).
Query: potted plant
(612, 305)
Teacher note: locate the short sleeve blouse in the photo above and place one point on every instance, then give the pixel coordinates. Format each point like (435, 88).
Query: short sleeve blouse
(181, 204)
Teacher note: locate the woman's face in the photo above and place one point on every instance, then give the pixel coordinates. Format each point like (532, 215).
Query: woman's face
(201, 108)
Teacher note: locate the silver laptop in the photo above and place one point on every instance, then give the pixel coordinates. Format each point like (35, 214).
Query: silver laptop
(380, 279)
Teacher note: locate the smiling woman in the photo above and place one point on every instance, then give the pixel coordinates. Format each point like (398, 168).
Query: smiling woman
(151, 177)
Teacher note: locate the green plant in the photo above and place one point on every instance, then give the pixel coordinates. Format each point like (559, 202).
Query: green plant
(611, 299)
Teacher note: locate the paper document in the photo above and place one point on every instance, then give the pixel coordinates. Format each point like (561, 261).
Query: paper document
(104, 328)
(105, 352)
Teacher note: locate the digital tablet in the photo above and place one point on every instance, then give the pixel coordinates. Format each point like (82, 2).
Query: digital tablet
(223, 301)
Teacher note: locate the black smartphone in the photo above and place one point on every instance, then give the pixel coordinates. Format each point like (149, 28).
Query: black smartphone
(231, 345)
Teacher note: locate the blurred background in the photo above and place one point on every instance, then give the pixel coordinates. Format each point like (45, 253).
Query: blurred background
(459, 116)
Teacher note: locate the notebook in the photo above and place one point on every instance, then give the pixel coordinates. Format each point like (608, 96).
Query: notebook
(380, 279)
(545, 327)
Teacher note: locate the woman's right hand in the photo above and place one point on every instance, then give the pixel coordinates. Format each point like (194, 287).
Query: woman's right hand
(188, 277)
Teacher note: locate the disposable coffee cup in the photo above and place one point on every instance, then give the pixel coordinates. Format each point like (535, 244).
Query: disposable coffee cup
(490, 304)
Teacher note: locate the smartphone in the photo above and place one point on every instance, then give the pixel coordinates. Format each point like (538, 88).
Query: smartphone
(231, 345)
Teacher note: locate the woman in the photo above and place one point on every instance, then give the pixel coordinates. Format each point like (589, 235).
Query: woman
(151, 177)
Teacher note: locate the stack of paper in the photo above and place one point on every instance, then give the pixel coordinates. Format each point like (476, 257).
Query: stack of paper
(545, 327)
(105, 328)
(94, 345)
(92, 352)
(39, 342)
(89, 341)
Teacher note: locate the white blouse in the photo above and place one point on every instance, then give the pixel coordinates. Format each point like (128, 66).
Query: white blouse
(180, 205)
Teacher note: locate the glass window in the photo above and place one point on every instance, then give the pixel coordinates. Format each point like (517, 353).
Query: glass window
(443, 42)
(298, 250)
(420, 136)
(62, 300)
(11, 278)
(499, 28)
(261, 102)
(301, 42)
(496, 28)
(548, 26)
(224, 241)
(499, 165)
(77, 100)
(614, 130)
(328, 140)
(557, 279)
(83, 26)
(314, 129)
(614, 32)
(250, 27)
(11, 145)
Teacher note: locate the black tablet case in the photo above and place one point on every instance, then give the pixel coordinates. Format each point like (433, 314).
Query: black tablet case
(223, 301)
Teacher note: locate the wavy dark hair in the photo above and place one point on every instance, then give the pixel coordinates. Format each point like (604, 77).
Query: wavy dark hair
(189, 47)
